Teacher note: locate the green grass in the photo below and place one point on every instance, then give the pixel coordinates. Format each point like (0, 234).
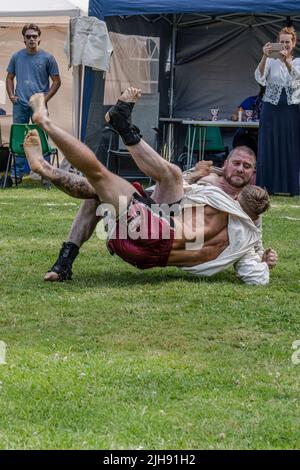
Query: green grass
(123, 359)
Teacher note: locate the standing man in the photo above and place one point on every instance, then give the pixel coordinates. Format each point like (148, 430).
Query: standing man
(32, 68)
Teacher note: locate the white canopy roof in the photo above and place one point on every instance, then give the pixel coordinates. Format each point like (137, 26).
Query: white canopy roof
(43, 8)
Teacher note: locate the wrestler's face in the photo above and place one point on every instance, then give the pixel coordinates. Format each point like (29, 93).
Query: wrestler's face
(239, 168)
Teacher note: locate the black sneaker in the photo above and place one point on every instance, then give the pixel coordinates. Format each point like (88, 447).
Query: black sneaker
(62, 268)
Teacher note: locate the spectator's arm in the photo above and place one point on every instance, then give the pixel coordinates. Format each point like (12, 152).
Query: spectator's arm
(56, 82)
(295, 70)
(235, 115)
(263, 67)
(10, 87)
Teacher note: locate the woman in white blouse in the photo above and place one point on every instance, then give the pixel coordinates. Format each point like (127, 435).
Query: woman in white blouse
(278, 159)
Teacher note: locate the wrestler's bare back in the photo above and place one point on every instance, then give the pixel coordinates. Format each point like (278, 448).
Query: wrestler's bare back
(215, 237)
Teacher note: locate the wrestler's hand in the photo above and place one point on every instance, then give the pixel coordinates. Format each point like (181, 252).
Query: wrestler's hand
(270, 257)
(201, 170)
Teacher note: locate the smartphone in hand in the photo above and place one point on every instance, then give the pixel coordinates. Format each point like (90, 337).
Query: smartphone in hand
(276, 48)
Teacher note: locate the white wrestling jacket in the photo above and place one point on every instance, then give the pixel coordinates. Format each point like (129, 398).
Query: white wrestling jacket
(243, 236)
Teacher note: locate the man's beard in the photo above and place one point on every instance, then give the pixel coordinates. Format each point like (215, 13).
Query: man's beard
(233, 182)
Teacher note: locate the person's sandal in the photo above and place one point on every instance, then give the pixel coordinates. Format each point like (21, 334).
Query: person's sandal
(62, 268)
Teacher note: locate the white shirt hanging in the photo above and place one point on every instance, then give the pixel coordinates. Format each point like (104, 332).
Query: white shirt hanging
(88, 43)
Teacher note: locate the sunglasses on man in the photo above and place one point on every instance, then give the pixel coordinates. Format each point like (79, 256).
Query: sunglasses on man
(31, 36)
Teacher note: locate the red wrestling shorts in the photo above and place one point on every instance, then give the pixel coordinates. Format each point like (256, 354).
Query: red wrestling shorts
(148, 237)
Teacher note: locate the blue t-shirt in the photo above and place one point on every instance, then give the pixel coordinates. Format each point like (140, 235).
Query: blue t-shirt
(254, 103)
(32, 73)
(248, 103)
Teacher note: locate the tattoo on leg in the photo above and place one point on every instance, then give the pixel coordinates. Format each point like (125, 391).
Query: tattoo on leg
(73, 185)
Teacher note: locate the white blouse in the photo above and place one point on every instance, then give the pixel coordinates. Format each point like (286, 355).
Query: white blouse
(276, 77)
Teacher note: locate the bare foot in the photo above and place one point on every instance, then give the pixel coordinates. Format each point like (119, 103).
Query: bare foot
(130, 95)
(33, 152)
(40, 113)
(51, 276)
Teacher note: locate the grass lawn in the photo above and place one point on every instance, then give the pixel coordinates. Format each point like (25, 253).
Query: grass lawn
(124, 359)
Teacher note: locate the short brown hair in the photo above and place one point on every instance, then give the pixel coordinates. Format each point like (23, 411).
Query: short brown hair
(31, 26)
(289, 30)
(254, 200)
(245, 149)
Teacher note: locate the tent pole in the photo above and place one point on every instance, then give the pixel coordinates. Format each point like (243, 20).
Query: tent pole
(170, 131)
(173, 56)
(77, 90)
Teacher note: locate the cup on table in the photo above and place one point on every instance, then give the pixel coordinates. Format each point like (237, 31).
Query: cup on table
(248, 114)
(214, 112)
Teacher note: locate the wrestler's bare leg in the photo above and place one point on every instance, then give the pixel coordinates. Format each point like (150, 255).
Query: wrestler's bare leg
(85, 222)
(82, 228)
(169, 187)
(168, 177)
(109, 187)
(74, 185)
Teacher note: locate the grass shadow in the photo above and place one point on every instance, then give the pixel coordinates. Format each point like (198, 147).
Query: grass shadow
(126, 278)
